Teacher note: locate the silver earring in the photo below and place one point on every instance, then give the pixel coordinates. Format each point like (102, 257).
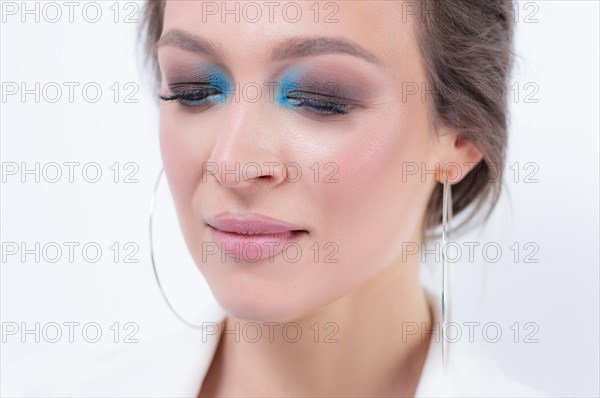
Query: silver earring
(446, 216)
(152, 201)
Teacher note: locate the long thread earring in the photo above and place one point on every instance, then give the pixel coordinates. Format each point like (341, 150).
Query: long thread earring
(160, 287)
(446, 216)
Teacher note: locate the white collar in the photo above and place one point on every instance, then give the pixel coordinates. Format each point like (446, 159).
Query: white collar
(175, 364)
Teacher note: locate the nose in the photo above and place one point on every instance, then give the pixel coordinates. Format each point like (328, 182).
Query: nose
(245, 153)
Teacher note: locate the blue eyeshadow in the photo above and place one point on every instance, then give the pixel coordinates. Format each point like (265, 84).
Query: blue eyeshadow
(289, 82)
(217, 79)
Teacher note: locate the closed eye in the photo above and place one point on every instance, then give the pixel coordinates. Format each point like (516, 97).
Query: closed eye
(317, 104)
(194, 94)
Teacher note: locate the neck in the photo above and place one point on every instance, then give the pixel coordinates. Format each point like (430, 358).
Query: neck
(360, 344)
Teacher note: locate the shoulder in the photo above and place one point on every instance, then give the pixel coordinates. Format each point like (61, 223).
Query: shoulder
(470, 372)
(168, 363)
(475, 373)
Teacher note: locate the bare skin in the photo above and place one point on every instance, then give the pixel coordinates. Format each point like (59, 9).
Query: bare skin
(369, 213)
(368, 359)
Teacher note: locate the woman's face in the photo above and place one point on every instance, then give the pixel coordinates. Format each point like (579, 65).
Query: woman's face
(349, 180)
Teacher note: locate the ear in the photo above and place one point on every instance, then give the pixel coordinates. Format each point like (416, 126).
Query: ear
(459, 156)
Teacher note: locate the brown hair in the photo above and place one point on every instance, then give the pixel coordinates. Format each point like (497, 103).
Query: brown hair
(466, 48)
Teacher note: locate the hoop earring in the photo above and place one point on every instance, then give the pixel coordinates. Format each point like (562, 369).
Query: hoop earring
(446, 216)
(152, 201)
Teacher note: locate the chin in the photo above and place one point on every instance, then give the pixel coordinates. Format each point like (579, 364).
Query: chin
(251, 298)
(260, 307)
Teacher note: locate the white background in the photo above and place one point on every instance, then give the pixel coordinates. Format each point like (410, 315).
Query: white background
(559, 133)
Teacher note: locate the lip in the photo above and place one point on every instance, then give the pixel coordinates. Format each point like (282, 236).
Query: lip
(251, 224)
(252, 237)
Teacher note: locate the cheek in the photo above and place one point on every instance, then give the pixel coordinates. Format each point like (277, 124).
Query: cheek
(176, 160)
(374, 207)
(183, 152)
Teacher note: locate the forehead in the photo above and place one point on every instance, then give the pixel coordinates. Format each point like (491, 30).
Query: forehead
(248, 31)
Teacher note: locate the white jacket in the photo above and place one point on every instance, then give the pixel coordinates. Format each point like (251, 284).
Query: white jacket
(175, 364)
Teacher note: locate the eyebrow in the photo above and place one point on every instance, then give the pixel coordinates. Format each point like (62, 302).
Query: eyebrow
(295, 47)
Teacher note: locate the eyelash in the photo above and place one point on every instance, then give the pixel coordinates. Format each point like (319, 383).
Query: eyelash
(188, 97)
(319, 106)
(316, 106)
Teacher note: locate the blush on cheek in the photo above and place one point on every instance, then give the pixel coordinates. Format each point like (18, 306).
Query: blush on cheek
(180, 169)
(371, 209)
